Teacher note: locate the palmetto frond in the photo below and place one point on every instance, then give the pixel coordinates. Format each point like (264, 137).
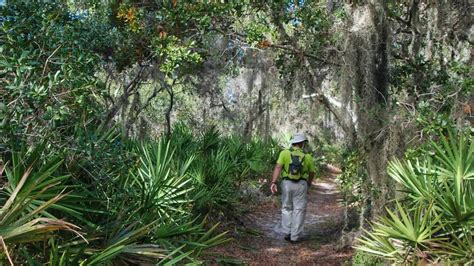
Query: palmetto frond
(439, 225)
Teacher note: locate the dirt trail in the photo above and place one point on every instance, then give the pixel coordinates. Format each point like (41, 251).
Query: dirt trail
(258, 241)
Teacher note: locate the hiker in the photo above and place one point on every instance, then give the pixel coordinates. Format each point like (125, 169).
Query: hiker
(297, 171)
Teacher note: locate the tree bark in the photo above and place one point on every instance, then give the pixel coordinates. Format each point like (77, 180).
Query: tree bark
(367, 57)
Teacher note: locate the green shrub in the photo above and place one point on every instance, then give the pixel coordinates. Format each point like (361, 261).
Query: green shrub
(436, 222)
(220, 164)
(32, 189)
(47, 75)
(128, 196)
(364, 259)
(353, 176)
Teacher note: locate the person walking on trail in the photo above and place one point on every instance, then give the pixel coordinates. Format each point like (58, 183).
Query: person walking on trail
(297, 171)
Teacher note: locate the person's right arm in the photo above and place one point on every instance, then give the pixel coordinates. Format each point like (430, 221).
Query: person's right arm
(282, 159)
(276, 174)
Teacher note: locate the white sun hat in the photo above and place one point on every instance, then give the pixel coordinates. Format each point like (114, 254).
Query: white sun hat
(298, 137)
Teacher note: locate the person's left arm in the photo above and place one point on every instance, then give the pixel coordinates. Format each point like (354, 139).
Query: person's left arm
(311, 169)
(310, 178)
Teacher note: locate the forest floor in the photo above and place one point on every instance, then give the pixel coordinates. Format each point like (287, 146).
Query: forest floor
(258, 240)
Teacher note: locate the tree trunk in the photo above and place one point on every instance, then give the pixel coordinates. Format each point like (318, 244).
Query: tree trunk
(367, 56)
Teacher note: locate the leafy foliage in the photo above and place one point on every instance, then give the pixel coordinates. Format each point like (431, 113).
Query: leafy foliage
(353, 177)
(429, 88)
(47, 74)
(436, 222)
(362, 259)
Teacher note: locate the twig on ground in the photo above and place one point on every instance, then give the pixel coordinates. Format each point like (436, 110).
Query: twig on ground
(6, 251)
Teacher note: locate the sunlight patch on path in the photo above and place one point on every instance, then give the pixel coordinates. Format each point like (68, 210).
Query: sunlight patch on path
(327, 186)
(274, 250)
(316, 219)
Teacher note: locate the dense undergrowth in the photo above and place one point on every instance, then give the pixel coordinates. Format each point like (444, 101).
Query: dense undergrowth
(434, 221)
(75, 188)
(123, 201)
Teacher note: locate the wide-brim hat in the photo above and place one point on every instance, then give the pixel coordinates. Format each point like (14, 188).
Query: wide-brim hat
(298, 137)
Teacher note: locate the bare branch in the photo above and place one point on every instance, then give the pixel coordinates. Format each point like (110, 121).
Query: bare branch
(127, 90)
(47, 60)
(303, 53)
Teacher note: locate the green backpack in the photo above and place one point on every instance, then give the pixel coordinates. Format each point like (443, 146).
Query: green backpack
(295, 170)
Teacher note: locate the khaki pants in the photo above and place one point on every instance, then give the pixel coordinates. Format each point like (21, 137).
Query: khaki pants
(294, 199)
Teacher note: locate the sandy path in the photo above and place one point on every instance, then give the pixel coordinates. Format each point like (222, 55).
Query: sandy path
(258, 241)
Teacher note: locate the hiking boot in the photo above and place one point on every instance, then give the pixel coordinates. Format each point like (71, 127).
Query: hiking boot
(299, 240)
